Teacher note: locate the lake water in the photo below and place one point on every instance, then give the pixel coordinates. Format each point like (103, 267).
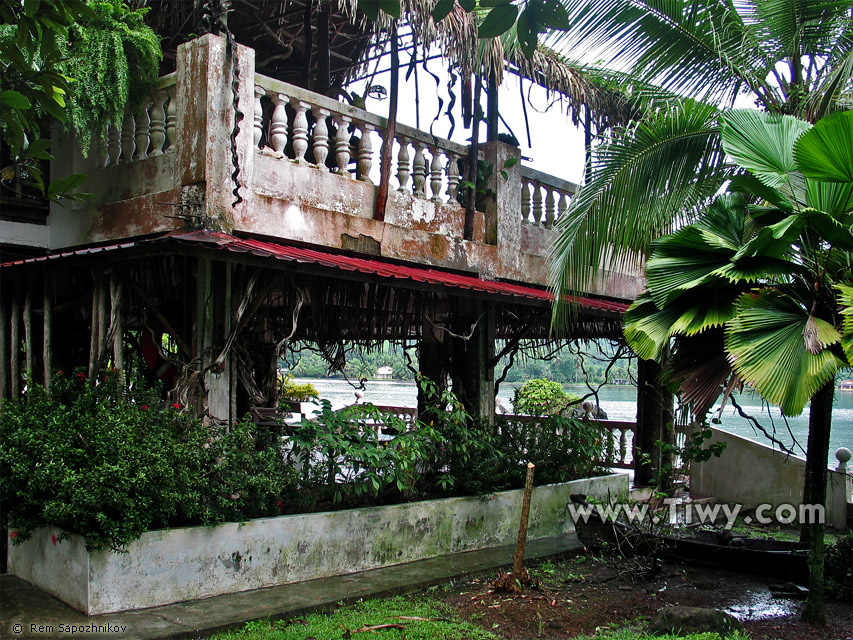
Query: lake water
(620, 403)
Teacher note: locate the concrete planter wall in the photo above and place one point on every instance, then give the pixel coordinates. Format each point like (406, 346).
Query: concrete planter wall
(173, 565)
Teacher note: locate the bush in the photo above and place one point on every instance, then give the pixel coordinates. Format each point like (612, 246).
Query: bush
(109, 462)
(838, 568)
(541, 397)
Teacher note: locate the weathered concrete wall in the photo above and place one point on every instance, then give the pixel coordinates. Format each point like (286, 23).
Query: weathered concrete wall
(195, 562)
(750, 473)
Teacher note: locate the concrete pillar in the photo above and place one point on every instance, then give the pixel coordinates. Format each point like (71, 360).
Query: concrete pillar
(503, 211)
(205, 122)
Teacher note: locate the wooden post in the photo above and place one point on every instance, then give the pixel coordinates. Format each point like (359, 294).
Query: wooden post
(93, 335)
(15, 342)
(4, 349)
(386, 152)
(518, 558)
(28, 330)
(116, 321)
(48, 329)
(103, 321)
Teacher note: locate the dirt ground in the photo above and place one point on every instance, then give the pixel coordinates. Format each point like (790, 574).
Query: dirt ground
(583, 594)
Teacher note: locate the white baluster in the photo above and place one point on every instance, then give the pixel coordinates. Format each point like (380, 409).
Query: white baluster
(525, 200)
(435, 174)
(321, 137)
(300, 129)
(550, 192)
(403, 167)
(365, 153)
(258, 116)
(452, 176)
(143, 129)
(158, 123)
(537, 203)
(562, 205)
(128, 129)
(278, 126)
(419, 174)
(171, 119)
(342, 144)
(113, 145)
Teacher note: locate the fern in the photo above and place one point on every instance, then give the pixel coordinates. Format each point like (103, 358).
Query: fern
(110, 57)
(113, 57)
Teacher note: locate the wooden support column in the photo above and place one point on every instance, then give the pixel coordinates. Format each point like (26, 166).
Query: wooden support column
(94, 340)
(213, 323)
(654, 414)
(432, 361)
(117, 321)
(4, 347)
(28, 330)
(324, 63)
(15, 342)
(48, 329)
(473, 378)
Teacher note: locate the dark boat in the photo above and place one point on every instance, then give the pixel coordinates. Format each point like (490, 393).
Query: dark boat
(717, 548)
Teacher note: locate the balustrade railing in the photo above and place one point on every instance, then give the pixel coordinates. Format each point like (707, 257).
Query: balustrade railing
(147, 133)
(618, 449)
(543, 197)
(308, 128)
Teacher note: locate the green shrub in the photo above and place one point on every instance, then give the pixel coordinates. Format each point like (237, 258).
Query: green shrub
(541, 397)
(110, 462)
(838, 568)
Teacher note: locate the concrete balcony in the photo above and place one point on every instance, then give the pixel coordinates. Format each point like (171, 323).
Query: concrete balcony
(301, 168)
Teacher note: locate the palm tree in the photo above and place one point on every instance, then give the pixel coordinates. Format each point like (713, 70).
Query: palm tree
(764, 290)
(661, 172)
(792, 57)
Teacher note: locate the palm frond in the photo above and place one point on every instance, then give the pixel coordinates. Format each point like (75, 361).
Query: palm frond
(700, 48)
(655, 176)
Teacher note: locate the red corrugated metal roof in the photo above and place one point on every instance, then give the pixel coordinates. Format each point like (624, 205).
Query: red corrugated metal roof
(370, 266)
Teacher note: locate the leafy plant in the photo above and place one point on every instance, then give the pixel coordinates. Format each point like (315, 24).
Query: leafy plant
(540, 397)
(109, 461)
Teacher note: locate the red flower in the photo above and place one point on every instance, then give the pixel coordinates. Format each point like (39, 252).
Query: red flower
(280, 505)
(59, 373)
(13, 534)
(175, 405)
(53, 539)
(81, 376)
(144, 407)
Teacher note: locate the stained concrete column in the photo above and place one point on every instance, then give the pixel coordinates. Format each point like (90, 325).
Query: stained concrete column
(205, 121)
(212, 326)
(503, 211)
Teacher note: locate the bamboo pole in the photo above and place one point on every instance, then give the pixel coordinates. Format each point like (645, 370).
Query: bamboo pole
(518, 558)
(15, 342)
(48, 329)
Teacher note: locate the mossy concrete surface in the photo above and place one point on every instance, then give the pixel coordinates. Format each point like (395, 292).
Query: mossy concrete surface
(176, 565)
(31, 608)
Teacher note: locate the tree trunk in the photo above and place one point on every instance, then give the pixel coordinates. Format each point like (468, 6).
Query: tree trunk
(814, 492)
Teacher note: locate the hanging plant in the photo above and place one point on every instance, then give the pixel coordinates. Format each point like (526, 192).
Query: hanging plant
(113, 56)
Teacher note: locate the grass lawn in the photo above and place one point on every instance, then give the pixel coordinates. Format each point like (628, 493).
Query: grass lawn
(407, 618)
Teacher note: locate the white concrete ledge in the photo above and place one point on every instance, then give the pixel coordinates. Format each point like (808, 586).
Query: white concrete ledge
(174, 565)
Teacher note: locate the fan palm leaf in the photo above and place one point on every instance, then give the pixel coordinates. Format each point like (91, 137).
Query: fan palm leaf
(766, 347)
